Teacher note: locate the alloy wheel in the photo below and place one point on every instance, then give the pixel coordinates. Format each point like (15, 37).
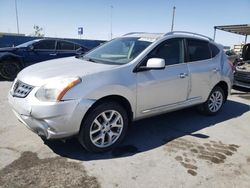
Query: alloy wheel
(215, 101)
(106, 128)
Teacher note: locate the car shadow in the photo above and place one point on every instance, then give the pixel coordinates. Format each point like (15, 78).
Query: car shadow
(151, 133)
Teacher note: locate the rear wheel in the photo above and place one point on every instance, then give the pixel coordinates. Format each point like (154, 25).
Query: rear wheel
(9, 69)
(214, 102)
(104, 127)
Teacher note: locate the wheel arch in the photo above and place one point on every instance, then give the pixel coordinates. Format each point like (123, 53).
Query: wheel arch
(11, 56)
(114, 98)
(224, 86)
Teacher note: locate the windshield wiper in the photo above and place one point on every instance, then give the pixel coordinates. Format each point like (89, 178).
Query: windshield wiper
(89, 59)
(97, 60)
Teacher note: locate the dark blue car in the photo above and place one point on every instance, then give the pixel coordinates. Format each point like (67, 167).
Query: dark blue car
(14, 59)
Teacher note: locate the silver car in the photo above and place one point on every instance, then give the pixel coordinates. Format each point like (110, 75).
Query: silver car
(96, 96)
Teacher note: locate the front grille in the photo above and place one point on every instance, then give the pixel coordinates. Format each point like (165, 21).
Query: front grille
(242, 76)
(21, 89)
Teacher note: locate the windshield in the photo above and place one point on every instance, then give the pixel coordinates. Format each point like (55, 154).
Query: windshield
(118, 51)
(26, 44)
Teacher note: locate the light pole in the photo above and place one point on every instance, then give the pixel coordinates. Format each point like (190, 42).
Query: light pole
(17, 24)
(172, 27)
(111, 21)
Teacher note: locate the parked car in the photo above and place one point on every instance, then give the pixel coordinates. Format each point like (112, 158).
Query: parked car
(13, 59)
(242, 69)
(233, 57)
(139, 75)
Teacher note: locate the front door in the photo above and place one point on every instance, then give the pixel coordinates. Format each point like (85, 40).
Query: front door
(42, 51)
(160, 90)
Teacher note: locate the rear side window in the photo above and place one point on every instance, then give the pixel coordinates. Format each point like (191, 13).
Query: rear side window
(198, 50)
(214, 50)
(45, 45)
(77, 47)
(64, 45)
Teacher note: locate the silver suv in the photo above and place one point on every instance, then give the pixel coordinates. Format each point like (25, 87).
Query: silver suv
(97, 95)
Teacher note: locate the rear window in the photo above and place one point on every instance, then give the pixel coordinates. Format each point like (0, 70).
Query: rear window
(214, 49)
(198, 50)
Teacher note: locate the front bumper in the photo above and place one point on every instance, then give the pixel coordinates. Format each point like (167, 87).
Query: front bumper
(50, 119)
(241, 84)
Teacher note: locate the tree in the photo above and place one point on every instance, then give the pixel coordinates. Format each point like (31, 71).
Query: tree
(38, 31)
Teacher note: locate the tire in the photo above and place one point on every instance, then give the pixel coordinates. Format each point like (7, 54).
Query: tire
(214, 103)
(9, 69)
(104, 127)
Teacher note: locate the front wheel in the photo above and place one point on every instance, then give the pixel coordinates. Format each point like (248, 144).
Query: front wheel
(9, 69)
(214, 102)
(104, 127)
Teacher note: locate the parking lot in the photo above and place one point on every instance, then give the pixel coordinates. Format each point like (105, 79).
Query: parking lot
(179, 149)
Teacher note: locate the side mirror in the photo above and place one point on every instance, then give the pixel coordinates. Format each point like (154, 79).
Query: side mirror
(152, 64)
(80, 52)
(155, 63)
(30, 47)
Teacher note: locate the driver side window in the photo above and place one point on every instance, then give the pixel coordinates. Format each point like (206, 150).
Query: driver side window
(45, 45)
(172, 51)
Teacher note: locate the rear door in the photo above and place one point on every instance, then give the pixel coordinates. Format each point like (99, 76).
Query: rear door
(160, 90)
(204, 67)
(65, 48)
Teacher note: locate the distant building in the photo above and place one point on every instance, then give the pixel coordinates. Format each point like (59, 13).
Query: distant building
(238, 48)
(11, 34)
(226, 48)
(14, 39)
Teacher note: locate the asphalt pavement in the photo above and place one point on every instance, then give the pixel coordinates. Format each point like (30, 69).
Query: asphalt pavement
(178, 149)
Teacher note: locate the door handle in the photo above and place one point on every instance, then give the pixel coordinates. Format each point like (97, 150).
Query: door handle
(215, 70)
(54, 54)
(183, 75)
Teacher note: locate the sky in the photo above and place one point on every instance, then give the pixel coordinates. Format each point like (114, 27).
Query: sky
(62, 18)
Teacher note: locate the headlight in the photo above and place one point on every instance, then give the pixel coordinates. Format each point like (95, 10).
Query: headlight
(55, 89)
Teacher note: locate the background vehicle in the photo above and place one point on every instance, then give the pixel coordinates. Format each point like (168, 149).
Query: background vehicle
(233, 57)
(136, 76)
(242, 69)
(12, 60)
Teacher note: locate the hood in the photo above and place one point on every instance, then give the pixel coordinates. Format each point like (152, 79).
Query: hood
(38, 74)
(8, 49)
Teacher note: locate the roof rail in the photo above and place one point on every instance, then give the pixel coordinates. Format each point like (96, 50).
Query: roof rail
(143, 33)
(190, 33)
(134, 33)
